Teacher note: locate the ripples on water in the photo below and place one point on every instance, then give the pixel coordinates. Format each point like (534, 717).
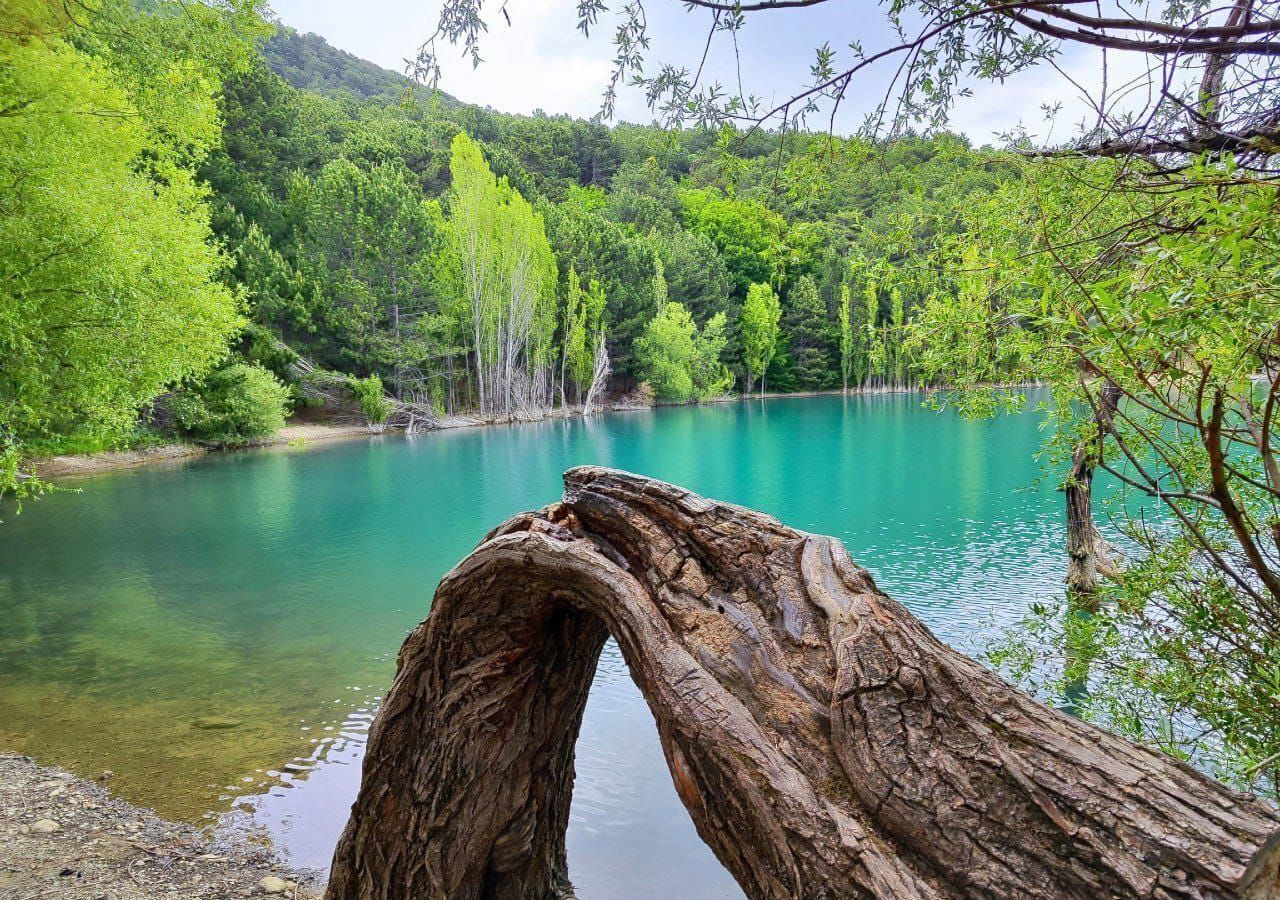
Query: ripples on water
(270, 591)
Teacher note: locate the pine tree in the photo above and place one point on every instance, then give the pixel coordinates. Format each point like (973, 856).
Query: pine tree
(807, 333)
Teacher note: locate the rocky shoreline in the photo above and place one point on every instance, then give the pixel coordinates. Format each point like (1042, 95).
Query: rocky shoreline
(66, 838)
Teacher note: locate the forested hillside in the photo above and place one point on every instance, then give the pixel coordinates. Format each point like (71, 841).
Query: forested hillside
(636, 218)
(381, 238)
(308, 62)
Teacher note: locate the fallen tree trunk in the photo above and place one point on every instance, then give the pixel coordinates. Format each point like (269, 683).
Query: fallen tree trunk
(823, 741)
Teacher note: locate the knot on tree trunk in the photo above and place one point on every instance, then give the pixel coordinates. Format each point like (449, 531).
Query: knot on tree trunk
(825, 743)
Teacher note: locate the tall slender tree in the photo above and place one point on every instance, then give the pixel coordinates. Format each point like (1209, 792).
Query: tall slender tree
(507, 276)
(584, 310)
(761, 314)
(847, 348)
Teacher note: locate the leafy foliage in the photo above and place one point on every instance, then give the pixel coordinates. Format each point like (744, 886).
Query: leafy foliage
(233, 405)
(369, 394)
(680, 362)
(109, 283)
(1153, 318)
(761, 313)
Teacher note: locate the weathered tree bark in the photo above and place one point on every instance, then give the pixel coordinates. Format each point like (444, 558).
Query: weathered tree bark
(1089, 556)
(825, 743)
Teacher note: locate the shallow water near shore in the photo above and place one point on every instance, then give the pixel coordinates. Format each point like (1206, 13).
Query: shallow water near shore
(219, 634)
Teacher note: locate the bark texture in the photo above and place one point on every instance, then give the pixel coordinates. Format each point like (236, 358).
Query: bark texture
(1089, 556)
(825, 743)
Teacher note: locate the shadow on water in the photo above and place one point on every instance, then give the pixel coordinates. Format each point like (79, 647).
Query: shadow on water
(219, 634)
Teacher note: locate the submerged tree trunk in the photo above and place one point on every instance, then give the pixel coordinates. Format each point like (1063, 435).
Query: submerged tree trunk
(1088, 553)
(825, 743)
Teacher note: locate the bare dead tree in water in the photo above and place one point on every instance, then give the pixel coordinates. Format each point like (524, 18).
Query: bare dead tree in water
(1089, 555)
(599, 376)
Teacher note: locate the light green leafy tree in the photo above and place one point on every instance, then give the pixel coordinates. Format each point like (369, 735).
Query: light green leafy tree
(232, 406)
(751, 237)
(897, 331)
(665, 353)
(110, 284)
(584, 312)
(873, 337)
(761, 314)
(659, 282)
(848, 347)
(506, 275)
(711, 377)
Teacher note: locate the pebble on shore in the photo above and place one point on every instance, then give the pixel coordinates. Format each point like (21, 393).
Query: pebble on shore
(61, 836)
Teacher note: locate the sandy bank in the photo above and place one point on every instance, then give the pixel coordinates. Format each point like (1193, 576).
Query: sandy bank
(94, 463)
(62, 837)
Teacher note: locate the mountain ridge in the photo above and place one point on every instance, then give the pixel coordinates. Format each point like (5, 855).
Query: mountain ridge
(310, 63)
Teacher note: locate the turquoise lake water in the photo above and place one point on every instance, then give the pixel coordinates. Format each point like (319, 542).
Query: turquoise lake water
(219, 633)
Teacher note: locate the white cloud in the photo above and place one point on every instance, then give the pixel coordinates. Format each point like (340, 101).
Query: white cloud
(538, 62)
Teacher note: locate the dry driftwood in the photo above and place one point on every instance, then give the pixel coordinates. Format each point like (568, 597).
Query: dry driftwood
(825, 743)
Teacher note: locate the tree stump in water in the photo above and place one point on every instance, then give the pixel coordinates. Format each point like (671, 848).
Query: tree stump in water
(825, 743)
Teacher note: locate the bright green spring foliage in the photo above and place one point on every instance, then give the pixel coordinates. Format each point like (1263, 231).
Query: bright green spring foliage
(232, 406)
(369, 394)
(506, 273)
(665, 353)
(680, 362)
(897, 328)
(761, 313)
(875, 348)
(751, 237)
(109, 282)
(959, 343)
(711, 377)
(584, 312)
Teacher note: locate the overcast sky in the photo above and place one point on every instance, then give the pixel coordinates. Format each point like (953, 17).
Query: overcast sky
(543, 62)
